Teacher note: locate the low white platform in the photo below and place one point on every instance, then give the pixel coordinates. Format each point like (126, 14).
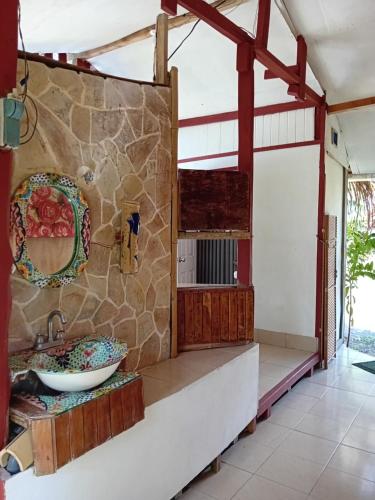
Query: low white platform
(196, 405)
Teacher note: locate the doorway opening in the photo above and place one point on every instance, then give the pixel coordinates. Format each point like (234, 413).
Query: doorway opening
(207, 262)
(360, 265)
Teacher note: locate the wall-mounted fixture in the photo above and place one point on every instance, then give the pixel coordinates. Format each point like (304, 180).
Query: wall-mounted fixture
(11, 111)
(130, 224)
(334, 137)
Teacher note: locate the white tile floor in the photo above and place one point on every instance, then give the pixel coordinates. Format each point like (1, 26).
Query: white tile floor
(275, 363)
(319, 443)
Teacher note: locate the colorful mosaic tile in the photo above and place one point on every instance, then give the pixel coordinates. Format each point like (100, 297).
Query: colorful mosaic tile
(86, 354)
(55, 405)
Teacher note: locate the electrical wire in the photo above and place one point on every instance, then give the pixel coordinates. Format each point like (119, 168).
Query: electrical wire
(36, 120)
(190, 32)
(25, 79)
(184, 39)
(25, 95)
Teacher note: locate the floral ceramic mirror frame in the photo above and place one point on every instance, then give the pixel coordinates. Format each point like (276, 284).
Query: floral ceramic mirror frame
(49, 207)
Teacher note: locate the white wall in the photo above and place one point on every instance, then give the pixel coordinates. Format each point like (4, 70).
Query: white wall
(269, 130)
(337, 152)
(180, 435)
(285, 226)
(333, 206)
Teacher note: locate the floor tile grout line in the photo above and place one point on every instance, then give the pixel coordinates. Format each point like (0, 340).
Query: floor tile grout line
(279, 484)
(350, 474)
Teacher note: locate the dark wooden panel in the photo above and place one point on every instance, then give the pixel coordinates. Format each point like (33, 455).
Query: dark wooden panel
(58, 440)
(77, 440)
(206, 317)
(181, 316)
(43, 443)
(128, 398)
(198, 297)
(90, 425)
(249, 315)
(189, 318)
(215, 318)
(215, 315)
(233, 317)
(224, 317)
(117, 418)
(62, 433)
(241, 315)
(103, 412)
(138, 412)
(211, 200)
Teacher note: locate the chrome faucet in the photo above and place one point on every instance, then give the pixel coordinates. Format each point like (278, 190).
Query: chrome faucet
(52, 338)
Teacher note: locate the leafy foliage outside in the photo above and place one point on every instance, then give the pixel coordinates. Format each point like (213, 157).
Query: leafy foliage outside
(359, 263)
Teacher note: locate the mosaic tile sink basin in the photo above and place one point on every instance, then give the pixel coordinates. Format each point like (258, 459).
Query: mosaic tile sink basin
(79, 365)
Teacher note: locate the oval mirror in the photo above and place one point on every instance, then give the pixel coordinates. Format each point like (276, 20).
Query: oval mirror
(49, 230)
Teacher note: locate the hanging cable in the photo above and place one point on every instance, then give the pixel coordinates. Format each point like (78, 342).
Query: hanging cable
(190, 32)
(24, 83)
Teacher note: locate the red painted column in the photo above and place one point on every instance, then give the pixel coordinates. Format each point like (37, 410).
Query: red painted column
(245, 68)
(320, 126)
(8, 69)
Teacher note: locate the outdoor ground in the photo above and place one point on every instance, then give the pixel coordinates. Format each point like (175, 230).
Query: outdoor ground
(363, 341)
(363, 332)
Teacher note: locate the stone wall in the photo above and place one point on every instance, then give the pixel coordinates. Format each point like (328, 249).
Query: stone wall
(121, 130)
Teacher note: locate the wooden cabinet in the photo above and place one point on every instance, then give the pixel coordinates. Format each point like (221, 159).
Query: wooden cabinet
(213, 201)
(57, 440)
(214, 317)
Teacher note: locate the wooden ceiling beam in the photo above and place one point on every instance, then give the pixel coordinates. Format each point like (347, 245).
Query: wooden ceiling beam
(144, 33)
(341, 107)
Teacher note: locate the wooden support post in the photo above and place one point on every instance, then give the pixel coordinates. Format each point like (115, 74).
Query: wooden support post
(245, 68)
(299, 90)
(216, 465)
(320, 124)
(161, 50)
(263, 25)
(174, 209)
(250, 429)
(8, 57)
(169, 6)
(63, 57)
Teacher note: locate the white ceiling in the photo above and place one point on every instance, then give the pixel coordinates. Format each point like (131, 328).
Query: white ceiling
(339, 34)
(341, 45)
(206, 62)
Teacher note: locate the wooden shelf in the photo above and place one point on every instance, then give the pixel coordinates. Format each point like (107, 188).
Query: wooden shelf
(214, 235)
(57, 440)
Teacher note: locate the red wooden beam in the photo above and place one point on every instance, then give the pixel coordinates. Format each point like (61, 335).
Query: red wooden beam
(298, 90)
(268, 75)
(8, 58)
(63, 57)
(271, 109)
(169, 6)
(287, 145)
(285, 73)
(245, 68)
(263, 25)
(320, 126)
(229, 29)
(212, 17)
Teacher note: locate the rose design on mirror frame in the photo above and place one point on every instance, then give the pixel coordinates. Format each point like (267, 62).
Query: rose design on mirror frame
(48, 211)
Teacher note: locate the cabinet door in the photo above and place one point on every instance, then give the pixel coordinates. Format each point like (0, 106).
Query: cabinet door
(329, 297)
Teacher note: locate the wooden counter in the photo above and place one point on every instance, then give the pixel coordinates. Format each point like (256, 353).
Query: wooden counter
(214, 316)
(59, 439)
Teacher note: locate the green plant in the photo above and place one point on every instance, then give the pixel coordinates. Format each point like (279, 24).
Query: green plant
(359, 263)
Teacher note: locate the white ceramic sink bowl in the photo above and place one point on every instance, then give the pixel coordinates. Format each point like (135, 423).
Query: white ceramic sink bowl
(79, 365)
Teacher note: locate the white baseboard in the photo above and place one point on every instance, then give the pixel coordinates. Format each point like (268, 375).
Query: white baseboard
(291, 341)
